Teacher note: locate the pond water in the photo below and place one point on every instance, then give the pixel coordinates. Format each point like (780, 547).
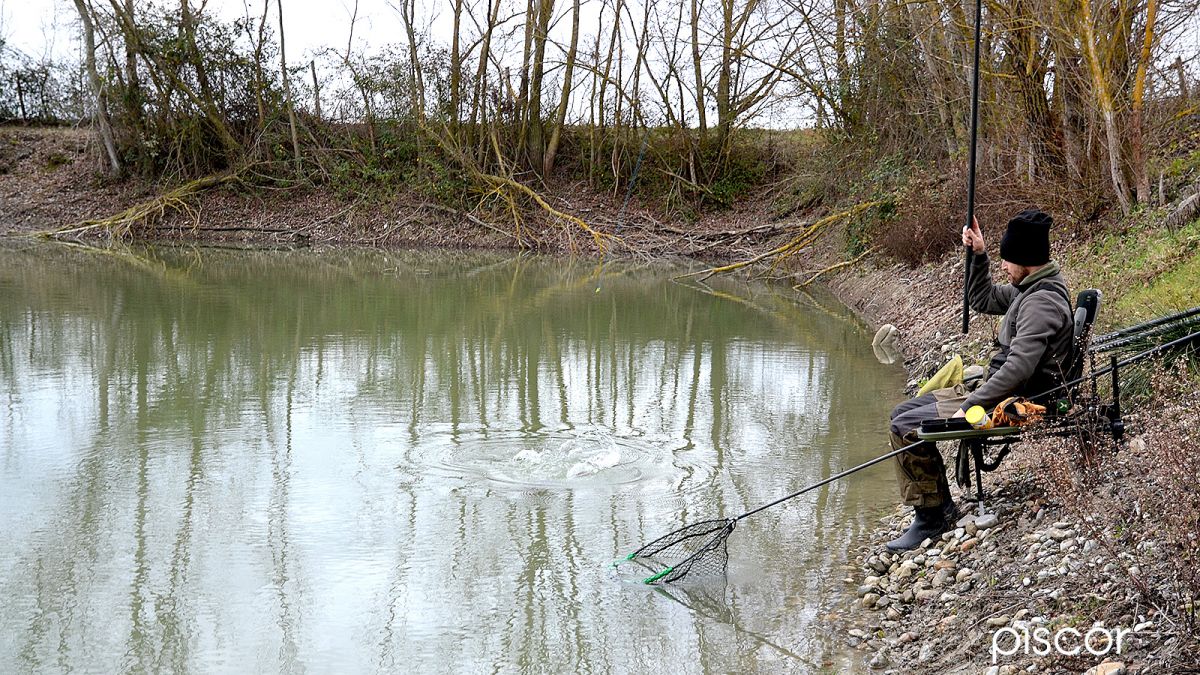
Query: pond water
(327, 461)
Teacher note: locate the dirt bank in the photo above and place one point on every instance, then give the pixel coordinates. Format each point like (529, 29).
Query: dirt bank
(49, 180)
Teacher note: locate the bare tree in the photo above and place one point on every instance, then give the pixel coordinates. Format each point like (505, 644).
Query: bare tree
(102, 120)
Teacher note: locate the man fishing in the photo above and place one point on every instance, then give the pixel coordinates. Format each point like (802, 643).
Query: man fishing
(1033, 349)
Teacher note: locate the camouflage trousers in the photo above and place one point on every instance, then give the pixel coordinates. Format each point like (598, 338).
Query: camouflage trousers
(921, 472)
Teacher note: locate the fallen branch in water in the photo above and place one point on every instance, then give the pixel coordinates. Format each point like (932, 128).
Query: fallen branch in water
(838, 266)
(120, 225)
(806, 237)
(498, 183)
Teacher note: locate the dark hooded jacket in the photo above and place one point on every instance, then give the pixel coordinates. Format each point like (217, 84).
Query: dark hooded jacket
(1034, 347)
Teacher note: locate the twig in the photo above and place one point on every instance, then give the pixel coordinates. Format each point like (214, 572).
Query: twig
(806, 237)
(831, 268)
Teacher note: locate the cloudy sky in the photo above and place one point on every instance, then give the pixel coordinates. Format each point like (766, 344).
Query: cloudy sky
(38, 26)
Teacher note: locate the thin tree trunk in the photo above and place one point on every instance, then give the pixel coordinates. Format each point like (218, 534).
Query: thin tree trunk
(455, 66)
(89, 45)
(316, 89)
(260, 79)
(697, 70)
(1183, 83)
(287, 88)
(187, 24)
(534, 140)
(1137, 135)
(133, 91)
(564, 100)
(408, 17)
(1105, 101)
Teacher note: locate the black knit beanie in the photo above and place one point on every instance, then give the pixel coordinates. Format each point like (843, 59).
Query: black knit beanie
(1027, 240)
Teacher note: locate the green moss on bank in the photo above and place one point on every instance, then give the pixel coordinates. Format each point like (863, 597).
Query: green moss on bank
(1144, 270)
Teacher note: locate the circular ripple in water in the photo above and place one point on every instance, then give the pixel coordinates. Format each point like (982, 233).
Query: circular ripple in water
(553, 459)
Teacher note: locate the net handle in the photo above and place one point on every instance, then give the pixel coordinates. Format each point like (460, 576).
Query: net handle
(836, 476)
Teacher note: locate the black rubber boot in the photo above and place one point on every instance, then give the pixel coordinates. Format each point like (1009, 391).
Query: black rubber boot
(929, 523)
(949, 508)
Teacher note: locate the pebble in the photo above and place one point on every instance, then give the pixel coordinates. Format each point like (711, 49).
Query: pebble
(906, 570)
(906, 637)
(968, 544)
(997, 621)
(964, 574)
(986, 521)
(879, 661)
(1107, 668)
(1056, 534)
(869, 600)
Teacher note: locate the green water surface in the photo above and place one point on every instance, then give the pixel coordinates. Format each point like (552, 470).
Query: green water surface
(327, 461)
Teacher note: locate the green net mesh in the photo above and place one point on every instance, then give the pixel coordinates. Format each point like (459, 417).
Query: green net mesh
(697, 549)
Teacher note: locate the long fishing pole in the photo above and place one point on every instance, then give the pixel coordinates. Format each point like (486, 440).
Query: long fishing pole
(1141, 328)
(1146, 334)
(967, 255)
(1153, 351)
(830, 479)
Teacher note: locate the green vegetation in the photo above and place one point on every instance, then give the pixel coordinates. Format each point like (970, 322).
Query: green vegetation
(1145, 269)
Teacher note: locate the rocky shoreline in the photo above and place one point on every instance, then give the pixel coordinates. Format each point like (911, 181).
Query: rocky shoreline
(992, 595)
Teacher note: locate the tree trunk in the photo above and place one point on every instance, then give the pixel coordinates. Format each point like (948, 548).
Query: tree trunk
(408, 16)
(455, 67)
(564, 100)
(89, 46)
(1137, 136)
(725, 74)
(207, 106)
(260, 79)
(287, 88)
(316, 90)
(1105, 101)
(697, 70)
(133, 85)
(534, 141)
